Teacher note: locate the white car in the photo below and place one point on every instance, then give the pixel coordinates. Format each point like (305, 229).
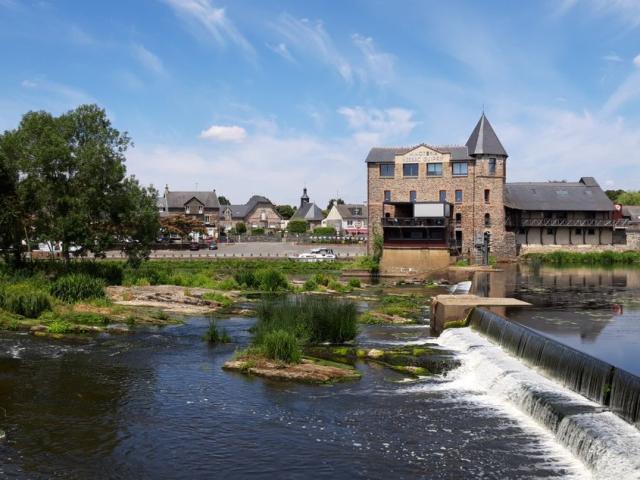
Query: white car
(317, 255)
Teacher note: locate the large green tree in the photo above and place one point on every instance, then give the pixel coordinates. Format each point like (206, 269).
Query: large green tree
(285, 211)
(72, 185)
(629, 197)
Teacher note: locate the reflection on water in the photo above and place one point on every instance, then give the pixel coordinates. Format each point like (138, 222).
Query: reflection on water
(596, 310)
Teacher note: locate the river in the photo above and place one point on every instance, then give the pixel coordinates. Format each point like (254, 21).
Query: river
(157, 404)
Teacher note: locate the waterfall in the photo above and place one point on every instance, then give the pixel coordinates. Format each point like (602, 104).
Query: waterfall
(595, 379)
(604, 442)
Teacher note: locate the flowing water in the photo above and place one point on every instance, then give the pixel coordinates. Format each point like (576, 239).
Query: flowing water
(158, 405)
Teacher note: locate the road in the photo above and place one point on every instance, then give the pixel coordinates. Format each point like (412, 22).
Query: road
(255, 249)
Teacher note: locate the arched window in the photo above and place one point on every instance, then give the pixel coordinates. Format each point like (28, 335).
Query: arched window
(487, 220)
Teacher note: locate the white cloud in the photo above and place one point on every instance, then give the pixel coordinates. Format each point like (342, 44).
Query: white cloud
(373, 126)
(612, 57)
(69, 96)
(379, 65)
(148, 60)
(201, 16)
(282, 50)
(311, 39)
(627, 91)
(627, 11)
(80, 37)
(224, 133)
(636, 61)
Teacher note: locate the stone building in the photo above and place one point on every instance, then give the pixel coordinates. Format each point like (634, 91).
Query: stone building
(308, 211)
(470, 177)
(258, 212)
(201, 206)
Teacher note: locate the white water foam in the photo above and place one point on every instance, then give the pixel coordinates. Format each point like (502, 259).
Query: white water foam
(606, 444)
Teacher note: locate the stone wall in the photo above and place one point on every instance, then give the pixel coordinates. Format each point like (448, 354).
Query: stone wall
(413, 262)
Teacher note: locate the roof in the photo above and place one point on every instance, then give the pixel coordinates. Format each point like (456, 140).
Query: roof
(241, 211)
(309, 212)
(347, 210)
(180, 199)
(388, 154)
(483, 140)
(632, 212)
(584, 195)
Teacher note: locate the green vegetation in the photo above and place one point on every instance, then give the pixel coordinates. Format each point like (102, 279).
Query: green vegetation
(584, 258)
(214, 336)
(378, 247)
(257, 231)
(240, 228)
(325, 231)
(59, 327)
(298, 226)
(408, 306)
(366, 262)
(24, 299)
(285, 211)
(77, 286)
(281, 345)
(309, 285)
(455, 324)
(223, 300)
(463, 262)
(354, 283)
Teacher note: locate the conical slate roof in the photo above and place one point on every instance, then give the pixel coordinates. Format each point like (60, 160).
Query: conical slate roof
(483, 140)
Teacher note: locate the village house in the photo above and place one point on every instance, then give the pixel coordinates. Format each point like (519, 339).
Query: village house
(308, 211)
(347, 219)
(201, 206)
(454, 198)
(258, 212)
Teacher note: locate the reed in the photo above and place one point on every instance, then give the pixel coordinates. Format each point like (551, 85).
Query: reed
(77, 286)
(281, 345)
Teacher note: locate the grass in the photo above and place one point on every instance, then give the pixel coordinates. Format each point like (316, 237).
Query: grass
(59, 327)
(281, 345)
(455, 324)
(462, 263)
(367, 262)
(223, 300)
(75, 287)
(561, 258)
(407, 306)
(24, 299)
(215, 336)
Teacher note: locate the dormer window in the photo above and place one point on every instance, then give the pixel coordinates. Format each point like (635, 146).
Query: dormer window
(187, 209)
(200, 209)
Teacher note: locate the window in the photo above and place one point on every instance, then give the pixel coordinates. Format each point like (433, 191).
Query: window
(578, 231)
(207, 219)
(458, 218)
(200, 209)
(487, 195)
(387, 169)
(356, 211)
(443, 195)
(434, 169)
(591, 231)
(549, 231)
(492, 166)
(349, 223)
(459, 168)
(387, 195)
(410, 170)
(187, 209)
(487, 220)
(412, 196)
(458, 196)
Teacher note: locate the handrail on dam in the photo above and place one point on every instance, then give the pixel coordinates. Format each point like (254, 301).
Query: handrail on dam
(593, 378)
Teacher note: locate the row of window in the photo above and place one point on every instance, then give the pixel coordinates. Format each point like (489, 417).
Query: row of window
(487, 219)
(458, 169)
(187, 209)
(442, 196)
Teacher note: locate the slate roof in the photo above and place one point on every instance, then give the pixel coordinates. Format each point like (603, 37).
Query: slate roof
(584, 195)
(631, 212)
(388, 154)
(309, 212)
(346, 211)
(483, 140)
(241, 211)
(179, 199)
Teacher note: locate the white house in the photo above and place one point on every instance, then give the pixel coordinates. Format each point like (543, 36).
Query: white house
(347, 219)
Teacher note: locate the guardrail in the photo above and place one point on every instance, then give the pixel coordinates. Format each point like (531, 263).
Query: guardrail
(414, 222)
(566, 222)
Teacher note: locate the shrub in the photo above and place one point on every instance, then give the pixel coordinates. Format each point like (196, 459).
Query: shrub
(325, 231)
(271, 280)
(257, 231)
(281, 345)
(25, 300)
(59, 326)
(227, 284)
(321, 279)
(246, 278)
(240, 228)
(354, 283)
(298, 226)
(212, 335)
(77, 286)
(310, 285)
(336, 286)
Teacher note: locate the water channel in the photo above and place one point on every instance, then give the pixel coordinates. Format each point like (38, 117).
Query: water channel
(157, 404)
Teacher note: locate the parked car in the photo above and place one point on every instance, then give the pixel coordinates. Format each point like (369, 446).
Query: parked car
(317, 255)
(213, 245)
(194, 247)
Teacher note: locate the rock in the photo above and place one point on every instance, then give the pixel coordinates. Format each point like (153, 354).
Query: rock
(375, 353)
(38, 328)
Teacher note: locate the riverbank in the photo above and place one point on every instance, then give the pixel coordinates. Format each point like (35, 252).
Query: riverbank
(560, 258)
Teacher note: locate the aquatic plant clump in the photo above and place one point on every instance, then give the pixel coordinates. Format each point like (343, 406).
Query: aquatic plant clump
(78, 286)
(215, 336)
(25, 300)
(281, 345)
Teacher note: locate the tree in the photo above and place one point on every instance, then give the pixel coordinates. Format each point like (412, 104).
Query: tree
(298, 226)
(285, 211)
(72, 184)
(223, 200)
(181, 224)
(337, 201)
(629, 198)
(11, 213)
(241, 228)
(613, 194)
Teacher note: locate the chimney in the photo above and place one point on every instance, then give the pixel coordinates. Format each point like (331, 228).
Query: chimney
(166, 190)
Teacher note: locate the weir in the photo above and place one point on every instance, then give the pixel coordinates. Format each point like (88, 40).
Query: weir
(599, 381)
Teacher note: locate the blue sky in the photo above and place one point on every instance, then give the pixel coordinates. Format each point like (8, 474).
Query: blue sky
(268, 96)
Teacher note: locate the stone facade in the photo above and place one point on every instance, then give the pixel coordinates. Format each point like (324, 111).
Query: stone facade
(481, 190)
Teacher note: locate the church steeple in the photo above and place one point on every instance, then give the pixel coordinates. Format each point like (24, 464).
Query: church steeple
(304, 198)
(484, 141)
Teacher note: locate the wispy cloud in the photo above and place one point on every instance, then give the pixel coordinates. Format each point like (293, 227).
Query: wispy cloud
(148, 60)
(612, 57)
(374, 126)
(79, 36)
(202, 17)
(282, 50)
(311, 39)
(68, 95)
(224, 133)
(627, 11)
(379, 65)
(627, 91)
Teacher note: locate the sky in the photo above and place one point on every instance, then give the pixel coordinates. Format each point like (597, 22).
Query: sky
(266, 97)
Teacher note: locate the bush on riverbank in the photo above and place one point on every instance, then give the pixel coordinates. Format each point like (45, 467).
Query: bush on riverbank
(78, 286)
(24, 299)
(584, 258)
(309, 319)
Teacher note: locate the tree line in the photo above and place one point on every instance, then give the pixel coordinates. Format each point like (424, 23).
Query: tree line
(63, 179)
